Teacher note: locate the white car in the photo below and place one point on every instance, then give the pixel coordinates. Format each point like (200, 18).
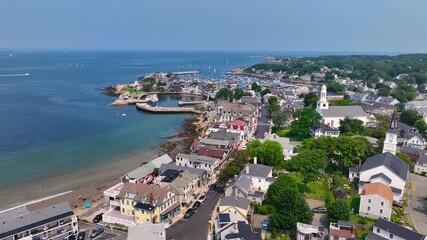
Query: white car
(202, 198)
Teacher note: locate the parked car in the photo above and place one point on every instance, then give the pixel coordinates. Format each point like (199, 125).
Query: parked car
(397, 204)
(202, 198)
(265, 224)
(319, 210)
(196, 205)
(81, 236)
(97, 218)
(72, 237)
(96, 232)
(188, 213)
(212, 187)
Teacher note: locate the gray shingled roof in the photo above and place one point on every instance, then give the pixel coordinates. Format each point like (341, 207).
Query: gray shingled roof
(209, 141)
(390, 161)
(398, 230)
(27, 220)
(199, 172)
(245, 232)
(198, 158)
(243, 183)
(413, 151)
(258, 170)
(344, 111)
(381, 175)
(239, 202)
(422, 159)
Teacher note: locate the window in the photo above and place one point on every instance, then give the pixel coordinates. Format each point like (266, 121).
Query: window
(378, 230)
(381, 211)
(369, 208)
(391, 236)
(382, 203)
(127, 202)
(123, 210)
(369, 200)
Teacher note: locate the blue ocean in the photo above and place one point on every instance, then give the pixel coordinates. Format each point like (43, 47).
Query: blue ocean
(54, 118)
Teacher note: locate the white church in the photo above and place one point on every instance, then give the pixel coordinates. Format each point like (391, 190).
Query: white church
(331, 115)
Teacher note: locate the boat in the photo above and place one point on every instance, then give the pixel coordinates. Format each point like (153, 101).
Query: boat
(124, 115)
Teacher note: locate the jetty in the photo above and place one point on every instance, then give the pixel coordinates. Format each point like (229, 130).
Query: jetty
(186, 73)
(148, 108)
(180, 103)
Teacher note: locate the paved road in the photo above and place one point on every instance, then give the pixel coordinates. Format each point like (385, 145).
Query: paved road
(261, 130)
(417, 205)
(264, 115)
(107, 235)
(197, 226)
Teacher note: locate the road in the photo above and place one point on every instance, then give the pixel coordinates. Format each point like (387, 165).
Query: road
(106, 235)
(263, 126)
(197, 226)
(417, 204)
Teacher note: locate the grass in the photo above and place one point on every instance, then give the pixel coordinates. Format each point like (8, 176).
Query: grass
(354, 202)
(281, 132)
(131, 90)
(315, 190)
(399, 214)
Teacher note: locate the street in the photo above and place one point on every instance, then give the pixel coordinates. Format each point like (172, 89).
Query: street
(197, 226)
(417, 203)
(107, 234)
(263, 126)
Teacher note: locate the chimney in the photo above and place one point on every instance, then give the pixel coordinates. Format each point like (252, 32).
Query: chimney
(255, 160)
(150, 199)
(247, 169)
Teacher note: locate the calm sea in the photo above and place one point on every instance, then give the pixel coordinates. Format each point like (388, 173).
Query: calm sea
(56, 119)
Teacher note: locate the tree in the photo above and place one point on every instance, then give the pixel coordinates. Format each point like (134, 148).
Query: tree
(269, 152)
(351, 126)
(339, 210)
(289, 204)
(255, 87)
(421, 126)
(410, 117)
(278, 115)
(308, 163)
(225, 94)
(236, 165)
(304, 120)
(405, 157)
(265, 91)
(342, 102)
(311, 100)
(238, 93)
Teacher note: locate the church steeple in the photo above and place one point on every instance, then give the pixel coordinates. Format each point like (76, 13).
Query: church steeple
(323, 102)
(390, 141)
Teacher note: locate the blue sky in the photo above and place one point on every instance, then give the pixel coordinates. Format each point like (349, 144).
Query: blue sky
(285, 25)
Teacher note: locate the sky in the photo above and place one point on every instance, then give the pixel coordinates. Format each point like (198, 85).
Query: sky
(262, 25)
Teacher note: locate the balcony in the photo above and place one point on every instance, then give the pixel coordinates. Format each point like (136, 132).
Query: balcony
(114, 191)
(114, 203)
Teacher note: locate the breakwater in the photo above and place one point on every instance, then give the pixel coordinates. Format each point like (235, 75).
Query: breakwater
(181, 103)
(148, 108)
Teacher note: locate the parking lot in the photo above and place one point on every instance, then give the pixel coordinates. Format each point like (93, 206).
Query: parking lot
(107, 234)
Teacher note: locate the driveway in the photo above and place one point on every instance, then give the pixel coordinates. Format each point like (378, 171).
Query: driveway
(197, 226)
(417, 205)
(318, 218)
(107, 234)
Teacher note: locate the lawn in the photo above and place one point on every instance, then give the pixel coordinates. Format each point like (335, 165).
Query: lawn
(281, 132)
(131, 90)
(315, 190)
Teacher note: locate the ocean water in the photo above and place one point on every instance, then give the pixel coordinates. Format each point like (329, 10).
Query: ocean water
(56, 120)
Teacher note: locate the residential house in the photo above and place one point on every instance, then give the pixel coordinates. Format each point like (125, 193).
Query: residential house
(236, 230)
(249, 100)
(55, 222)
(240, 127)
(236, 205)
(385, 168)
(231, 111)
(202, 175)
(413, 153)
(331, 115)
(342, 231)
(376, 201)
(386, 230)
(309, 232)
(243, 187)
(214, 143)
(220, 154)
(421, 165)
(378, 108)
(260, 175)
(185, 186)
(147, 231)
(223, 134)
(323, 130)
(145, 173)
(211, 165)
(289, 149)
(420, 106)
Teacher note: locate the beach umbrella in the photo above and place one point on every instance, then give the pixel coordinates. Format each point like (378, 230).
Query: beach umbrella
(88, 205)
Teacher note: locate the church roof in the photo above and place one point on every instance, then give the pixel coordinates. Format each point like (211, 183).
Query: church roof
(344, 111)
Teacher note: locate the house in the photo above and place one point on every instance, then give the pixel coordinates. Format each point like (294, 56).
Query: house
(413, 138)
(289, 149)
(230, 111)
(341, 193)
(236, 230)
(210, 164)
(249, 100)
(223, 134)
(331, 115)
(185, 186)
(260, 175)
(147, 203)
(388, 100)
(53, 222)
(202, 175)
(240, 127)
(378, 108)
(413, 153)
(384, 229)
(385, 168)
(419, 106)
(215, 143)
(220, 154)
(342, 230)
(309, 232)
(147, 231)
(236, 205)
(243, 187)
(145, 173)
(322, 130)
(421, 165)
(376, 201)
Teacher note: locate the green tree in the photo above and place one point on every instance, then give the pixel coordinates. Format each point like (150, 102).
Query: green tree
(304, 120)
(342, 102)
(405, 157)
(308, 163)
(421, 126)
(238, 93)
(410, 117)
(237, 162)
(255, 87)
(289, 204)
(351, 126)
(339, 210)
(225, 94)
(269, 152)
(265, 91)
(311, 100)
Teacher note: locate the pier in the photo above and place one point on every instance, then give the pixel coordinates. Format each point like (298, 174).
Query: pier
(180, 103)
(148, 108)
(186, 73)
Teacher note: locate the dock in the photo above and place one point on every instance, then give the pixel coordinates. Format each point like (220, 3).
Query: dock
(180, 103)
(186, 73)
(148, 108)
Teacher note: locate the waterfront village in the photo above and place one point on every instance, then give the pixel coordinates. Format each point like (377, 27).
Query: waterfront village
(311, 155)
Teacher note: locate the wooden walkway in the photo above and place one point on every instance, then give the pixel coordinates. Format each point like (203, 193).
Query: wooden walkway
(148, 108)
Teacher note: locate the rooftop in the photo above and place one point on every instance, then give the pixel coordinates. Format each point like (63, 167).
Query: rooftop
(390, 161)
(239, 202)
(398, 230)
(257, 170)
(378, 189)
(344, 111)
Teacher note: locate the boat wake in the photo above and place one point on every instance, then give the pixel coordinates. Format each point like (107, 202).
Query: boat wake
(15, 75)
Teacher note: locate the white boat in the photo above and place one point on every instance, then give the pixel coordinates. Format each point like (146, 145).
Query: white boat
(123, 114)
